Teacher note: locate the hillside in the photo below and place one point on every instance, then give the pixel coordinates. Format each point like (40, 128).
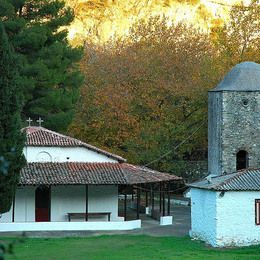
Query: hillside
(98, 20)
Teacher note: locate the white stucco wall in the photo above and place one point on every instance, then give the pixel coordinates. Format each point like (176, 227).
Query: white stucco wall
(7, 217)
(236, 219)
(203, 215)
(64, 200)
(24, 210)
(62, 226)
(67, 199)
(72, 199)
(227, 220)
(104, 198)
(63, 154)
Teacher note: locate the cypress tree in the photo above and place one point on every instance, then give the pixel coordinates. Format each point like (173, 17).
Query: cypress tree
(11, 138)
(49, 73)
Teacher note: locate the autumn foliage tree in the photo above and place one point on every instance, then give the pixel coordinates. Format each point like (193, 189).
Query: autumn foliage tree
(146, 93)
(239, 39)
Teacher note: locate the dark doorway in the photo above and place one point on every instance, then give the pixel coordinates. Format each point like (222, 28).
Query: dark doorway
(242, 160)
(42, 204)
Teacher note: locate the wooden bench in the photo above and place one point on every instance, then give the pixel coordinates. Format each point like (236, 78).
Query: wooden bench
(86, 215)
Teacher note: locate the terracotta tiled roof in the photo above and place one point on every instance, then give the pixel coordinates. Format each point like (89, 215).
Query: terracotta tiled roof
(137, 174)
(89, 173)
(40, 136)
(245, 180)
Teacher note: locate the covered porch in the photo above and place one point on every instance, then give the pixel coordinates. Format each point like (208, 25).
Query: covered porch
(87, 196)
(154, 200)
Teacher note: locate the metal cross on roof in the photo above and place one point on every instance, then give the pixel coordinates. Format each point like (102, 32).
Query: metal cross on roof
(29, 120)
(39, 121)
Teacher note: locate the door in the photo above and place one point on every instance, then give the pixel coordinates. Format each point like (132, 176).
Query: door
(42, 204)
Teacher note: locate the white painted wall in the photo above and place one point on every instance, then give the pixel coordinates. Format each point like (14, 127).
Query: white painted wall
(24, 209)
(104, 198)
(7, 217)
(236, 219)
(63, 154)
(203, 215)
(227, 220)
(66, 226)
(67, 199)
(72, 199)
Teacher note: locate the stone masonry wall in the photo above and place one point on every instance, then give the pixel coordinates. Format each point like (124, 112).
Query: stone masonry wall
(234, 125)
(214, 132)
(240, 128)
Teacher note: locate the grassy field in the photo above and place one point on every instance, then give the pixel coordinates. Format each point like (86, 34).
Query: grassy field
(124, 247)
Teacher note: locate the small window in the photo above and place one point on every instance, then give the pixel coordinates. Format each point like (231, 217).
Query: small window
(245, 102)
(257, 212)
(242, 160)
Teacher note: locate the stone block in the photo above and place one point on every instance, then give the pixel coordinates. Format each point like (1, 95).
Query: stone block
(166, 220)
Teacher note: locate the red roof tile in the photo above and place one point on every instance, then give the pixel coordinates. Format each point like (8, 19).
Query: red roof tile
(90, 173)
(40, 136)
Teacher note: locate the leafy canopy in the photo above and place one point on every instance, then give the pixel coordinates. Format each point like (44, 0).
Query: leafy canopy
(147, 93)
(239, 40)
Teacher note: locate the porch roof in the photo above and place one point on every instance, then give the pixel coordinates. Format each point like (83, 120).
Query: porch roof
(73, 173)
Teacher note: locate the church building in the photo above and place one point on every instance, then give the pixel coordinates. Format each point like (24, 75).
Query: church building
(71, 185)
(225, 206)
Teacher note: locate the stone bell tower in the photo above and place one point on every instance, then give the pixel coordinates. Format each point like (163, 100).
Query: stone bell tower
(234, 121)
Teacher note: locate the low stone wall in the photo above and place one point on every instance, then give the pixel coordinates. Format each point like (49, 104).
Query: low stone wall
(69, 226)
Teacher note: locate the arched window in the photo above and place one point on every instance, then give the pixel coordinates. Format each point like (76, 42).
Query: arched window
(43, 157)
(242, 160)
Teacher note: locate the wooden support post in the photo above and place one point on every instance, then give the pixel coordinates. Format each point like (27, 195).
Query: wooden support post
(86, 217)
(151, 193)
(146, 199)
(163, 190)
(169, 201)
(138, 203)
(152, 202)
(50, 203)
(13, 208)
(163, 199)
(125, 205)
(160, 200)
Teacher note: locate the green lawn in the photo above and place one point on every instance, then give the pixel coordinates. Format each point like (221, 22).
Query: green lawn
(124, 247)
